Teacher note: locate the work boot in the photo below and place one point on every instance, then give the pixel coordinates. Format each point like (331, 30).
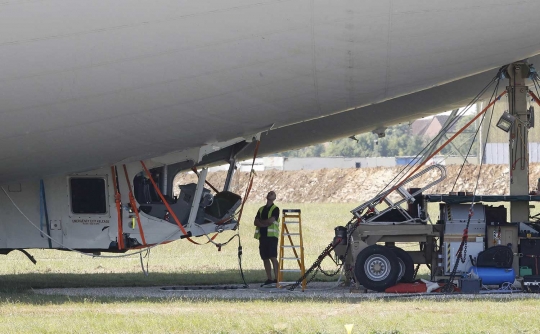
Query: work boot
(268, 281)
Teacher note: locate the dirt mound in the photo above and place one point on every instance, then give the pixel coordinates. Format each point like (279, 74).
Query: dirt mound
(355, 185)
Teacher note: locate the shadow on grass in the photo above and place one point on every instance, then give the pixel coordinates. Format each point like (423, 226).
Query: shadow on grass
(23, 282)
(18, 288)
(26, 281)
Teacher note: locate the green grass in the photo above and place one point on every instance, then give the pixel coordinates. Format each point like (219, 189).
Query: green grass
(181, 263)
(85, 315)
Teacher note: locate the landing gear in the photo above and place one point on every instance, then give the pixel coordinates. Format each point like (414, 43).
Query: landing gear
(377, 268)
(406, 265)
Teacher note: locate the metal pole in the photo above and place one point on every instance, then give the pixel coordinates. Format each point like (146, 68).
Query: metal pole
(197, 198)
(165, 181)
(230, 172)
(483, 132)
(519, 141)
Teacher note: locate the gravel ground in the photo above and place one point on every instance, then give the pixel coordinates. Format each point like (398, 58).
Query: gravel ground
(327, 291)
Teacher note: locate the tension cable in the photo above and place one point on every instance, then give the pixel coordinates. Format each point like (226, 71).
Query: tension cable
(461, 253)
(409, 166)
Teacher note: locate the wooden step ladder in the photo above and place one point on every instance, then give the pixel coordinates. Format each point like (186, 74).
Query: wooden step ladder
(291, 227)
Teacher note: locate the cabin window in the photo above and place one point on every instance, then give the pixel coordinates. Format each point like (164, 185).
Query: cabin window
(88, 195)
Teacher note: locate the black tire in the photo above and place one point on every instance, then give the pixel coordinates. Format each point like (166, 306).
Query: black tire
(406, 264)
(377, 268)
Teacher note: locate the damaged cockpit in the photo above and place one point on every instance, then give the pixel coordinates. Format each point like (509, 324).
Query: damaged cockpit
(217, 208)
(128, 205)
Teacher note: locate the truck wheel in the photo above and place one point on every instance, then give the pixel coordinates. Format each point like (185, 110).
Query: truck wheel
(406, 265)
(377, 268)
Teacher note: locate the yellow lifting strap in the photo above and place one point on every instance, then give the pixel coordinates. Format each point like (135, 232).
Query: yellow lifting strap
(134, 207)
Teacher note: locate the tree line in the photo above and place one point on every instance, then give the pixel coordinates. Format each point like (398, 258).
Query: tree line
(399, 141)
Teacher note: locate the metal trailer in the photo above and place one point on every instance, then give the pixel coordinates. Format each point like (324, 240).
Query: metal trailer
(382, 220)
(369, 262)
(449, 247)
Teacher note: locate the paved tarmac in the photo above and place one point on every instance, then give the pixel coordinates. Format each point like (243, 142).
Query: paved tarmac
(316, 290)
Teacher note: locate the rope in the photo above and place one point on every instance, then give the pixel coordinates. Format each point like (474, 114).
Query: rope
(248, 190)
(410, 165)
(461, 254)
(240, 259)
(147, 255)
(220, 244)
(476, 133)
(447, 142)
(120, 239)
(177, 221)
(535, 97)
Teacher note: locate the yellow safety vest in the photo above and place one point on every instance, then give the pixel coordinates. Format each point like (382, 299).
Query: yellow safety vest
(273, 230)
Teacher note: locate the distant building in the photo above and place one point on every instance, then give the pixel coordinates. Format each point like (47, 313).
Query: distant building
(282, 163)
(429, 127)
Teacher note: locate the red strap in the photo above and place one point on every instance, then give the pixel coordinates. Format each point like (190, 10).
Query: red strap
(176, 220)
(134, 206)
(117, 199)
(535, 98)
(444, 145)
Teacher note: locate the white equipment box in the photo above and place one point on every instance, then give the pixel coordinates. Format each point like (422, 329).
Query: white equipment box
(450, 249)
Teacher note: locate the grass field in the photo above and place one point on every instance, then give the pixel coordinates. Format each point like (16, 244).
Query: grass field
(181, 263)
(176, 263)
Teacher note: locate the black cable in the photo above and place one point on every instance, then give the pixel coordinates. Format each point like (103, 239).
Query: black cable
(494, 94)
(315, 268)
(485, 144)
(240, 259)
(401, 174)
(409, 166)
(468, 152)
(462, 250)
(219, 245)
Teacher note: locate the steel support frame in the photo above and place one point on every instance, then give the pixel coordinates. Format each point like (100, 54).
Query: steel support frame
(230, 172)
(367, 235)
(518, 141)
(165, 180)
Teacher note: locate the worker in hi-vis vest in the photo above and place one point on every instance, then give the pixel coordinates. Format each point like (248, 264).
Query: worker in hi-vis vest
(267, 231)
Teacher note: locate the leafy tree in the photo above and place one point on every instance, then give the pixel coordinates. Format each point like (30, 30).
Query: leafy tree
(398, 141)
